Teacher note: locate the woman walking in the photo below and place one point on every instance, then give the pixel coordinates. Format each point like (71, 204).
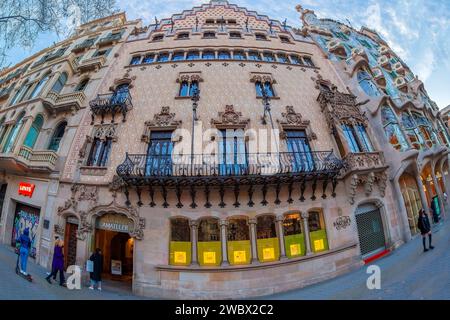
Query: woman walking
(58, 263)
(96, 275)
(425, 229)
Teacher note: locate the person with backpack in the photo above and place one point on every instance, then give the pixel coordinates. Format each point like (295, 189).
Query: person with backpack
(24, 242)
(425, 229)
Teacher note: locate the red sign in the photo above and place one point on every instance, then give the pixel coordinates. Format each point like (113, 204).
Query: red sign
(26, 189)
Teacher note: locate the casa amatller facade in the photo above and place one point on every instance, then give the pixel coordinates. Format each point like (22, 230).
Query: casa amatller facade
(219, 153)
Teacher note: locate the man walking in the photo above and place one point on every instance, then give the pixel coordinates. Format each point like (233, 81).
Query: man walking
(425, 229)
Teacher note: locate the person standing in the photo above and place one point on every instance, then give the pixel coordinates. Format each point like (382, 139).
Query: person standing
(96, 275)
(25, 246)
(425, 229)
(58, 263)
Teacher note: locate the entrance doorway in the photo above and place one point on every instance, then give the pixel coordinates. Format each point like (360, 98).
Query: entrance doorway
(371, 235)
(70, 241)
(112, 237)
(26, 217)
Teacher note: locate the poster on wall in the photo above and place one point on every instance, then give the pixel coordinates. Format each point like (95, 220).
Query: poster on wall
(116, 267)
(26, 217)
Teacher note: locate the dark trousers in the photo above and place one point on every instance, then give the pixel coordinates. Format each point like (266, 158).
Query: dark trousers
(61, 275)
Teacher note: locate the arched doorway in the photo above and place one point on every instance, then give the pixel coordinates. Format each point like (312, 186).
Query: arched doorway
(411, 199)
(112, 236)
(70, 241)
(372, 239)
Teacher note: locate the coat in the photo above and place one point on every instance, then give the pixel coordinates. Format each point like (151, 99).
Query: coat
(424, 224)
(58, 258)
(24, 240)
(97, 258)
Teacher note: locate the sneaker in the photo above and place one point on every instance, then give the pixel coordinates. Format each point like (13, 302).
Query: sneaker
(99, 289)
(425, 250)
(91, 287)
(431, 247)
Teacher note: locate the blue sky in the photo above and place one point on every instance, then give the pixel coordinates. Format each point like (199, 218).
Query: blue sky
(417, 30)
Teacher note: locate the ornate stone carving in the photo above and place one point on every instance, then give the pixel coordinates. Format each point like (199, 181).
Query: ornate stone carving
(342, 222)
(105, 131)
(263, 78)
(163, 119)
(58, 229)
(293, 120)
(230, 118)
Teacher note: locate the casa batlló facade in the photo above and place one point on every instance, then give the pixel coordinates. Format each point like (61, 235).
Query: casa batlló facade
(222, 154)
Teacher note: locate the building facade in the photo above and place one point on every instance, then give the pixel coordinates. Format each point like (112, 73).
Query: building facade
(223, 154)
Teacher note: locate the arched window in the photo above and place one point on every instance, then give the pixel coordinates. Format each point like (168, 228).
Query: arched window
(120, 94)
(392, 129)
(239, 55)
(40, 86)
(60, 83)
(178, 56)
(184, 89)
(239, 247)
(193, 88)
(294, 238)
(20, 93)
(267, 240)
(10, 141)
(425, 129)
(317, 231)
(267, 87)
(180, 242)
(33, 134)
(193, 55)
(269, 57)
(412, 131)
(357, 138)
(209, 245)
(224, 55)
(366, 83)
(82, 85)
(57, 137)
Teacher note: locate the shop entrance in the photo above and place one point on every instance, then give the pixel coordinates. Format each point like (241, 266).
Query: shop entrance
(112, 237)
(370, 230)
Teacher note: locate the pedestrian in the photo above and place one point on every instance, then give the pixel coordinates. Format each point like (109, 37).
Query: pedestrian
(96, 274)
(24, 242)
(58, 263)
(425, 228)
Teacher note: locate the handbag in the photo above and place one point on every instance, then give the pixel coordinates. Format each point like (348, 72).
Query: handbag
(90, 266)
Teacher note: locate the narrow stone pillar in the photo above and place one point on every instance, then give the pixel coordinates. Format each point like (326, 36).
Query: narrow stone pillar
(305, 216)
(223, 239)
(252, 223)
(194, 238)
(423, 197)
(439, 192)
(280, 233)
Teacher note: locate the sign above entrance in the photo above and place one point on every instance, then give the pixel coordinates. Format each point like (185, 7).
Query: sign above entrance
(114, 222)
(26, 189)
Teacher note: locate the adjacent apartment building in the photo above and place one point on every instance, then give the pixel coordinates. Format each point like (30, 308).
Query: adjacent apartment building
(219, 153)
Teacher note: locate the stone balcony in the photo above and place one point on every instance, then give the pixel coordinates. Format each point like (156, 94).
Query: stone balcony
(91, 64)
(363, 162)
(39, 160)
(56, 103)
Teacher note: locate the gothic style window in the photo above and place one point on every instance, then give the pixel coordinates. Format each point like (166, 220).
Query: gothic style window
(10, 141)
(149, 58)
(267, 240)
(60, 83)
(184, 89)
(163, 57)
(180, 242)
(294, 239)
(298, 146)
(268, 57)
(224, 55)
(366, 84)
(193, 55)
(209, 245)
(267, 86)
(238, 244)
(308, 62)
(295, 60)
(135, 60)
(317, 231)
(392, 129)
(208, 55)
(253, 55)
(57, 137)
(100, 152)
(232, 152)
(33, 134)
(159, 153)
(209, 35)
(239, 55)
(412, 131)
(40, 85)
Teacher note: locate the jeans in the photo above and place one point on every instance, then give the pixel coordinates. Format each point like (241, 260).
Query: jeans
(23, 259)
(96, 283)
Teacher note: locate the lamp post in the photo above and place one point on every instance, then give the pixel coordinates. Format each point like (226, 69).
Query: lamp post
(266, 102)
(195, 98)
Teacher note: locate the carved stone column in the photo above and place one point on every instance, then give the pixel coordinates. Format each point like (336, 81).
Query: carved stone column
(252, 223)
(305, 216)
(194, 238)
(223, 239)
(280, 233)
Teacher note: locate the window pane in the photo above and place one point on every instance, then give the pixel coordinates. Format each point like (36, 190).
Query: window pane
(149, 58)
(184, 89)
(282, 58)
(269, 57)
(178, 56)
(224, 55)
(269, 89)
(259, 89)
(238, 55)
(208, 55)
(193, 55)
(135, 60)
(163, 57)
(254, 56)
(364, 138)
(350, 138)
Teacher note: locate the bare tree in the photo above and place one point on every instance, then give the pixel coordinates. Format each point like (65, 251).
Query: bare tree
(21, 21)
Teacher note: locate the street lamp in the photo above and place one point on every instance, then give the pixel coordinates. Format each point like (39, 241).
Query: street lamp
(266, 102)
(195, 98)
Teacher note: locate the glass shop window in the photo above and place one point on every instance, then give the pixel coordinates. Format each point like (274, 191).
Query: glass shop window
(180, 242)
(317, 231)
(209, 245)
(267, 240)
(294, 238)
(238, 244)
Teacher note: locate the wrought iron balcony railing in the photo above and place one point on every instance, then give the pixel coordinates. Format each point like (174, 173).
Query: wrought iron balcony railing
(112, 103)
(202, 173)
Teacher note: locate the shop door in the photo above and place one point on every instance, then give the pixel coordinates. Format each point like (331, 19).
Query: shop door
(26, 217)
(70, 242)
(370, 230)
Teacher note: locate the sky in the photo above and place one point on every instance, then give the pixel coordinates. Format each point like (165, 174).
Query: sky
(417, 30)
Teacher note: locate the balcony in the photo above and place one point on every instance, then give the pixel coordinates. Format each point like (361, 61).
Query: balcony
(362, 163)
(112, 103)
(56, 103)
(378, 76)
(83, 46)
(5, 92)
(384, 62)
(206, 172)
(91, 64)
(399, 68)
(110, 39)
(384, 51)
(39, 160)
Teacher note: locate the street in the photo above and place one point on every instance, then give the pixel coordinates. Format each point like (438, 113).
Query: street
(407, 273)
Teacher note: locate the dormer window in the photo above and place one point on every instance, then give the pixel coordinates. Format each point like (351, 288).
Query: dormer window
(209, 35)
(260, 37)
(158, 37)
(183, 35)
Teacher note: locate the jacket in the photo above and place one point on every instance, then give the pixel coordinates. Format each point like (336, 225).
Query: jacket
(97, 258)
(424, 224)
(24, 240)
